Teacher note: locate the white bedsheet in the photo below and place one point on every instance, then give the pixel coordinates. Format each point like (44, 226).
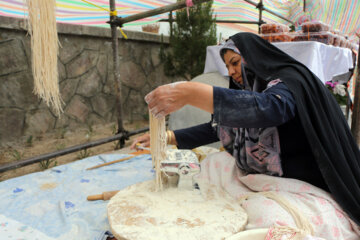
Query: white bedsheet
(322, 212)
(323, 60)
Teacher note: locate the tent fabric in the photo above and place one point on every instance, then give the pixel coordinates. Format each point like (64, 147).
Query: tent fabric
(342, 15)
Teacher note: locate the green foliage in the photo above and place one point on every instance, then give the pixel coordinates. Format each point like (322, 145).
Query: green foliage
(84, 153)
(16, 155)
(342, 100)
(47, 163)
(29, 141)
(338, 91)
(60, 146)
(89, 132)
(60, 133)
(113, 129)
(116, 145)
(146, 116)
(191, 35)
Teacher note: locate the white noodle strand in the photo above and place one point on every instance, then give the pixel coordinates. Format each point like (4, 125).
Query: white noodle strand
(44, 49)
(157, 147)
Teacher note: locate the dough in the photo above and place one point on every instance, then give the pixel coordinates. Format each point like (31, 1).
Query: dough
(139, 213)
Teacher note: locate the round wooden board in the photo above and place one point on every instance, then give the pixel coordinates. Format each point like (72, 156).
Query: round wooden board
(139, 213)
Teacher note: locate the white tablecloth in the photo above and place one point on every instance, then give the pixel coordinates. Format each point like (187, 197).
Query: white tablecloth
(324, 60)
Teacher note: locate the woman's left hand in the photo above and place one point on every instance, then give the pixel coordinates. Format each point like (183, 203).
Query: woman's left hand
(167, 99)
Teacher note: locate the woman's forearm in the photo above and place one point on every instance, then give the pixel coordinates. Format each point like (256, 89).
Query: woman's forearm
(199, 95)
(171, 97)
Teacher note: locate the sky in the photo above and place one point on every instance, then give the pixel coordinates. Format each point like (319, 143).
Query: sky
(343, 15)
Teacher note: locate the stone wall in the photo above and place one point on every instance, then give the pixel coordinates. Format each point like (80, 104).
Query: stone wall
(86, 78)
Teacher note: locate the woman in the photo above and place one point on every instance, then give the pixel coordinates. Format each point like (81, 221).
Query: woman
(277, 118)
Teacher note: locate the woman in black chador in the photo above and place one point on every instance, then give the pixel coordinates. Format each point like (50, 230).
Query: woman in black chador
(279, 109)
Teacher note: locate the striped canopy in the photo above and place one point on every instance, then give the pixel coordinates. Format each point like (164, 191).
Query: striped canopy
(340, 14)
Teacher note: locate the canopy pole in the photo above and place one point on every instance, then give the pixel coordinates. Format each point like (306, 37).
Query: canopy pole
(117, 80)
(225, 21)
(355, 124)
(269, 11)
(171, 23)
(119, 21)
(260, 6)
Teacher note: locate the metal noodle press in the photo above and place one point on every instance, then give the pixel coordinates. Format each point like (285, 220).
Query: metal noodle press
(181, 166)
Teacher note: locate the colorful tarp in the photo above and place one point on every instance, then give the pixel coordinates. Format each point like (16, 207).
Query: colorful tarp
(342, 15)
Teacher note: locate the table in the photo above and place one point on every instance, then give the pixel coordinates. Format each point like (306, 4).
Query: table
(323, 60)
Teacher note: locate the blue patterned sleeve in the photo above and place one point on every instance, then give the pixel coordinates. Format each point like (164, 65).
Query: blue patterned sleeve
(189, 138)
(246, 109)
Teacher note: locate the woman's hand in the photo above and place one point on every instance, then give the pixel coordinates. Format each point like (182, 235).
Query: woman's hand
(144, 140)
(167, 99)
(171, 97)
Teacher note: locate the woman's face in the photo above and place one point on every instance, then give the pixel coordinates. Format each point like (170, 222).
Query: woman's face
(233, 64)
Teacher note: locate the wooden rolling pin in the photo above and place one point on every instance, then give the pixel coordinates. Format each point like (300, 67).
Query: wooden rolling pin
(104, 196)
(139, 152)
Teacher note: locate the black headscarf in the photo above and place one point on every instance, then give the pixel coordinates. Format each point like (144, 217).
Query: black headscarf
(334, 148)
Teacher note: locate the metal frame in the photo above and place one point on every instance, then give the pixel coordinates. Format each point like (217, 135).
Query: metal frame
(115, 47)
(47, 156)
(259, 5)
(119, 21)
(122, 134)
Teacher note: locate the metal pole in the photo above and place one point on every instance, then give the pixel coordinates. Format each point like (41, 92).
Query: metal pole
(17, 164)
(269, 11)
(348, 104)
(171, 23)
(117, 80)
(120, 21)
(230, 21)
(355, 123)
(224, 21)
(260, 6)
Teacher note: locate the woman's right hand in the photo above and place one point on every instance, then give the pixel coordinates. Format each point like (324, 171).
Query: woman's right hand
(167, 99)
(143, 140)
(171, 97)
